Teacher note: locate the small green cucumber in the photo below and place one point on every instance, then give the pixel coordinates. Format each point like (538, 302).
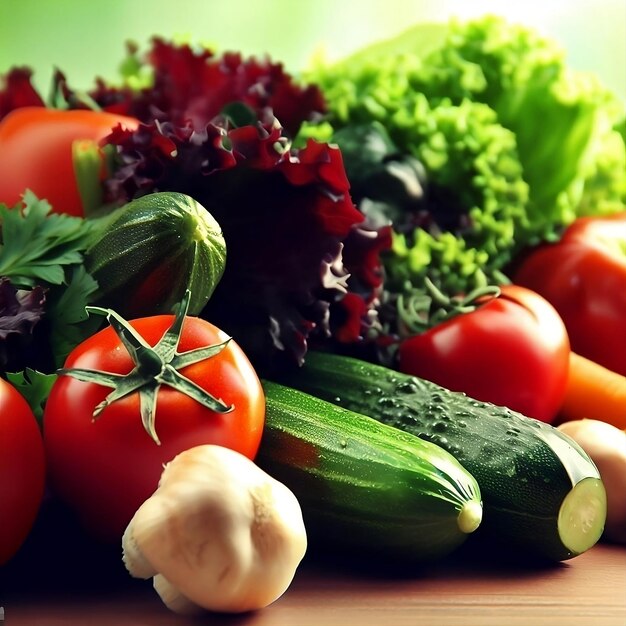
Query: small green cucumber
(542, 494)
(363, 486)
(152, 250)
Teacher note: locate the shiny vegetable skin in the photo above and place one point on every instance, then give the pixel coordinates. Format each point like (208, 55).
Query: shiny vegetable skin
(542, 494)
(154, 249)
(511, 350)
(37, 150)
(365, 487)
(22, 470)
(104, 466)
(606, 445)
(583, 276)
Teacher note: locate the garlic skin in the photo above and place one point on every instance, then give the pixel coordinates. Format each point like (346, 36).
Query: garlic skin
(218, 534)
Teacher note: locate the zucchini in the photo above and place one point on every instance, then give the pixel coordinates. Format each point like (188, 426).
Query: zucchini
(542, 494)
(151, 251)
(365, 487)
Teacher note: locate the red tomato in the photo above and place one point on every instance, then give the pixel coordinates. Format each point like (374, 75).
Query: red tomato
(36, 152)
(22, 470)
(584, 277)
(105, 468)
(512, 351)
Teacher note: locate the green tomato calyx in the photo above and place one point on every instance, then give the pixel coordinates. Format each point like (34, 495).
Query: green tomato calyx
(154, 366)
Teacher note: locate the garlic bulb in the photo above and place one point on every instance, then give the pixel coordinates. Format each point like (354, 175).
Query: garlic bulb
(218, 534)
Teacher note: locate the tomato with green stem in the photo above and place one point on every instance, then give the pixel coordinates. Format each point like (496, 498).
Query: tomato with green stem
(22, 470)
(56, 154)
(511, 350)
(133, 396)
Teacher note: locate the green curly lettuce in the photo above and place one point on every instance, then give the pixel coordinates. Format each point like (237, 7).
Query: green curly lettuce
(473, 171)
(513, 143)
(565, 122)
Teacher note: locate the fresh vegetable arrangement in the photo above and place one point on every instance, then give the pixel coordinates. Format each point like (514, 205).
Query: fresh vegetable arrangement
(449, 119)
(257, 314)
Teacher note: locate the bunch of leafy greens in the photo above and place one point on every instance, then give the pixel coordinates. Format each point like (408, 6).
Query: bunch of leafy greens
(459, 145)
(43, 287)
(303, 262)
(475, 140)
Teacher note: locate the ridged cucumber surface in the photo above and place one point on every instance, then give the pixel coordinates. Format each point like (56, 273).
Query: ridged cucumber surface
(153, 250)
(542, 494)
(363, 486)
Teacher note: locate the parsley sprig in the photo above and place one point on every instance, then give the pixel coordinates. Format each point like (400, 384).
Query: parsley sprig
(36, 245)
(43, 250)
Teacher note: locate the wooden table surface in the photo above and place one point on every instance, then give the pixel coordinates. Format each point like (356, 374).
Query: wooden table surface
(61, 580)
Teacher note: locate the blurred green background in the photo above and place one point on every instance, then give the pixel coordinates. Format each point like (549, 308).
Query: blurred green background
(85, 38)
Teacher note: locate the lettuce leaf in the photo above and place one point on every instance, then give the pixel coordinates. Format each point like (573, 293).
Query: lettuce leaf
(511, 145)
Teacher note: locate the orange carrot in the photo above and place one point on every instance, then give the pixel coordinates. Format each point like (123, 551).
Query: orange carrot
(594, 392)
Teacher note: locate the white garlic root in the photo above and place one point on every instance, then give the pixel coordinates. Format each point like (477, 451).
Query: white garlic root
(173, 599)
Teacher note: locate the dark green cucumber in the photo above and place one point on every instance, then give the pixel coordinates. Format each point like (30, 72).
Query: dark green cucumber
(542, 494)
(364, 486)
(152, 250)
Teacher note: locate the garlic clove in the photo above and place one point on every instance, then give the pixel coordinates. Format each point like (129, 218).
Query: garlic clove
(133, 557)
(173, 598)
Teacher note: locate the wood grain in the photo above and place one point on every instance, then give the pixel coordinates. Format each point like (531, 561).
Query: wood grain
(589, 590)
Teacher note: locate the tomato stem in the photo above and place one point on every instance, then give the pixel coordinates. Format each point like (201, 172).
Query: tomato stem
(154, 366)
(419, 311)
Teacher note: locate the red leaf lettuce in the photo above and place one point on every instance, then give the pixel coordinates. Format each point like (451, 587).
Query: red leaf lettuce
(16, 91)
(287, 219)
(303, 261)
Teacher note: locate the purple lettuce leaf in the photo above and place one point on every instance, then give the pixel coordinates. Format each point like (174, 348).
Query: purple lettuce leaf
(16, 90)
(193, 86)
(303, 264)
(288, 221)
(21, 311)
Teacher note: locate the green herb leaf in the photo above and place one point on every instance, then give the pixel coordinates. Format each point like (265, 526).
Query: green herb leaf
(69, 321)
(34, 386)
(37, 244)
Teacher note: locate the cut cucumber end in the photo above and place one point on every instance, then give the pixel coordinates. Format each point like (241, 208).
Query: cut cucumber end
(582, 515)
(470, 516)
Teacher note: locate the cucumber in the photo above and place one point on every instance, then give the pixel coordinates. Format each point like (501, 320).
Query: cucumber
(365, 487)
(152, 250)
(542, 494)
